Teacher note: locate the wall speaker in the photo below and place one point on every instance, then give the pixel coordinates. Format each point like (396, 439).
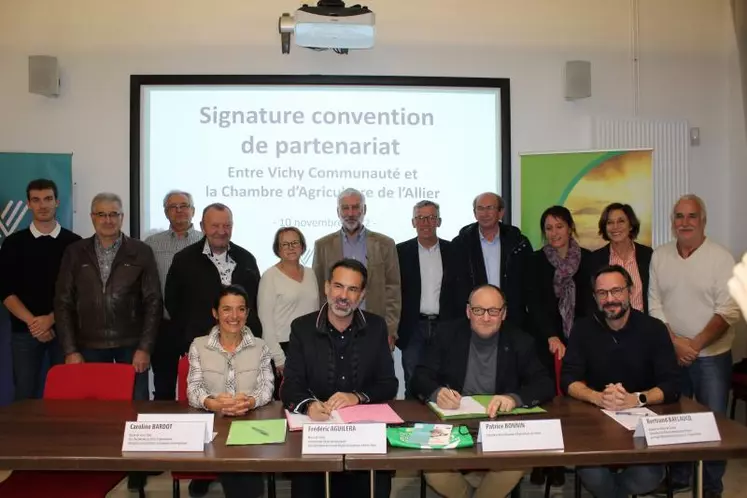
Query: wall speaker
(44, 75)
(577, 80)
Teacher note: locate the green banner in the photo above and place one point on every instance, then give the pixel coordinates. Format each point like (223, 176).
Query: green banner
(586, 182)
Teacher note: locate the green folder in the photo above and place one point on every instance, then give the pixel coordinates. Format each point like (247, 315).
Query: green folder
(484, 400)
(244, 432)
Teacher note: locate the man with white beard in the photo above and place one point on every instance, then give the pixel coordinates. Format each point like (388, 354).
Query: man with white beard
(374, 250)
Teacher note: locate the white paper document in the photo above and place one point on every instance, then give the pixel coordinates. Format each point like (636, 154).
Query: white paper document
(296, 421)
(467, 406)
(629, 418)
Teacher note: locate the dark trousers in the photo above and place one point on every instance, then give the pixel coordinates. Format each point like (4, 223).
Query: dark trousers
(242, 484)
(29, 356)
(120, 355)
(165, 362)
(415, 349)
(343, 484)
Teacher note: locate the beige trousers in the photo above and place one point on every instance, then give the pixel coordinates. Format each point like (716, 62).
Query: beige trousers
(486, 484)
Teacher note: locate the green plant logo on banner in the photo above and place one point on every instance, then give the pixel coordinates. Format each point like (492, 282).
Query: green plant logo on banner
(17, 170)
(586, 182)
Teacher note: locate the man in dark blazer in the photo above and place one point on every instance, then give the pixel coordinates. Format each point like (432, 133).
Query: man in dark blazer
(481, 355)
(428, 283)
(201, 270)
(492, 252)
(338, 357)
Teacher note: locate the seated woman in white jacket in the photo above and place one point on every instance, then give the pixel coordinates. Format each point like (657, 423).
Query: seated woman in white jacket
(230, 374)
(287, 290)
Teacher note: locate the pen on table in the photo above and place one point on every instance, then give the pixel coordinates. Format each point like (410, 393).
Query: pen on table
(633, 413)
(264, 433)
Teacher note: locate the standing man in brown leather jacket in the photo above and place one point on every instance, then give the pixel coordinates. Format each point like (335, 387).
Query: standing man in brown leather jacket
(108, 297)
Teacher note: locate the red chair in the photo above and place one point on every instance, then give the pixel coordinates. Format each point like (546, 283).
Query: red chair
(181, 396)
(100, 381)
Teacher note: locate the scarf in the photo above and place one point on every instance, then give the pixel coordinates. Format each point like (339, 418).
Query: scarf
(562, 281)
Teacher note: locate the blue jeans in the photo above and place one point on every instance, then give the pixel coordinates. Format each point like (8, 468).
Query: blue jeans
(708, 380)
(29, 370)
(120, 355)
(415, 350)
(603, 482)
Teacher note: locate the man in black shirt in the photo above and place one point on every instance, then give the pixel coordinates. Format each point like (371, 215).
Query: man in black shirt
(620, 359)
(338, 357)
(29, 263)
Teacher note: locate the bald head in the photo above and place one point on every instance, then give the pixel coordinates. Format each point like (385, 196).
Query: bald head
(486, 310)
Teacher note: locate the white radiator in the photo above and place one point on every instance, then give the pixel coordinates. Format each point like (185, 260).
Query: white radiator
(670, 141)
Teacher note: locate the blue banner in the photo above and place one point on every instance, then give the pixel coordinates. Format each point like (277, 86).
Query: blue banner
(16, 171)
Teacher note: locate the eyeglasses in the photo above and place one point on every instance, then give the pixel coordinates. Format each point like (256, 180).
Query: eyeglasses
(615, 292)
(292, 243)
(478, 311)
(103, 216)
(177, 207)
(424, 219)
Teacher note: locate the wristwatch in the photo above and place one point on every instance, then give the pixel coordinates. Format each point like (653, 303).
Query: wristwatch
(642, 399)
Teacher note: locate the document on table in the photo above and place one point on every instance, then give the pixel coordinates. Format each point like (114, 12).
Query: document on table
(296, 421)
(244, 432)
(629, 418)
(477, 407)
(381, 412)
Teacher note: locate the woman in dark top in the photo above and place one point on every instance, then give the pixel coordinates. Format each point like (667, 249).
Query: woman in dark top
(560, 293)
(619, 226)
(561, 290)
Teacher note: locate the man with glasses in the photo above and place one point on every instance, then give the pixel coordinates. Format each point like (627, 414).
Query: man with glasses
(108, 304)
(428, 280)
(492, 252)
(619, 359)
(481, 355)
(179, 209)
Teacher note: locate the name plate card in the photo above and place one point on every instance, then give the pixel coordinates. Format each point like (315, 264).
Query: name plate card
(521, 435)
(207, 419)
(164, 436)
(678, 429)
(346, 439)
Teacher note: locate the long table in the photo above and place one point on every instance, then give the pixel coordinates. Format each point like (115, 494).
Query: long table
(87, 435)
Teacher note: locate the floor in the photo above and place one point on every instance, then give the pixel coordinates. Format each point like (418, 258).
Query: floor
(408, 486)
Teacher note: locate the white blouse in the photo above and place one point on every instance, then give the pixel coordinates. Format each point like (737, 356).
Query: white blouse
(281, 300)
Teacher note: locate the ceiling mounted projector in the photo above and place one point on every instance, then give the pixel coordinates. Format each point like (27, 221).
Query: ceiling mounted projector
(329, 25)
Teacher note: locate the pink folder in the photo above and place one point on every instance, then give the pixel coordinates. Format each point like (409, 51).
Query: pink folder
(369, 413)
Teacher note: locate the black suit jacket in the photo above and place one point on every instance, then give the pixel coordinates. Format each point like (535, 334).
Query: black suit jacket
(543, 304)
(310, 367)
(516, 252)
(519, 371)
(193, 283)
(449, 306)
(601, 258)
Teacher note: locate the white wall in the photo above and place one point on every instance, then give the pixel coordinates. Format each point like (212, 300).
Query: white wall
(688, 70)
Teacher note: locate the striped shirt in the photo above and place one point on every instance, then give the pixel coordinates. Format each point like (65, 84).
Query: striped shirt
(631, 265)
(197, 392)
(165, 245)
